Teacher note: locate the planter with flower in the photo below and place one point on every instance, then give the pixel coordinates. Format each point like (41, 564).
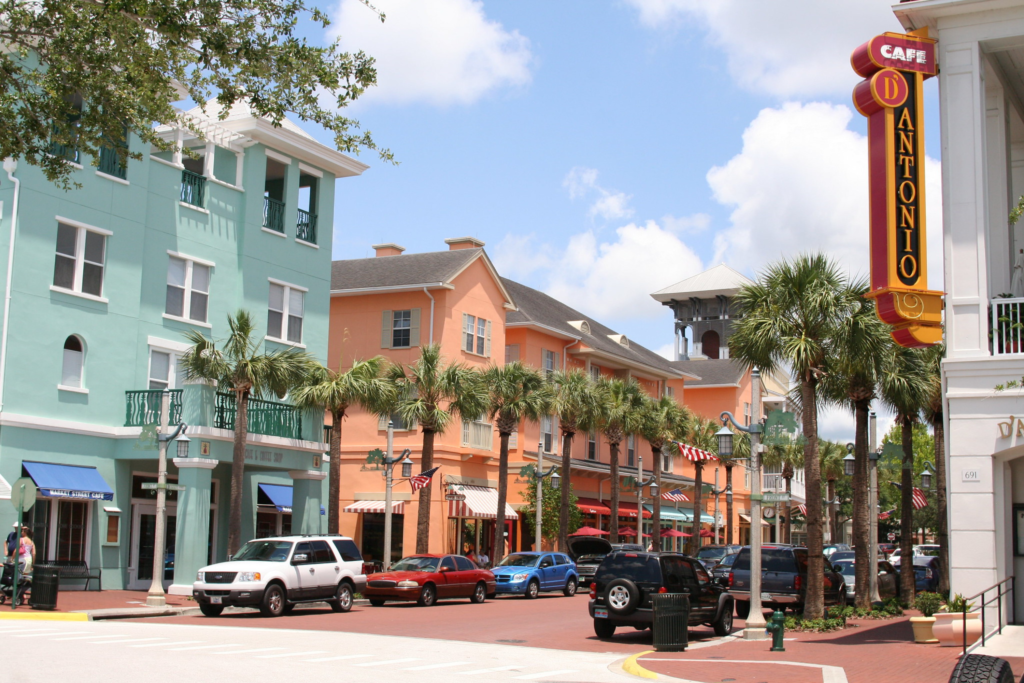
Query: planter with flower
(950, 625)
(928, 604)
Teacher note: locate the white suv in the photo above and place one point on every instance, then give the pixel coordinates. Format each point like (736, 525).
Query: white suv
(275, 574)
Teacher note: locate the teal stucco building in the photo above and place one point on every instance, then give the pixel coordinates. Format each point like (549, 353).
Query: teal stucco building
(99, 285)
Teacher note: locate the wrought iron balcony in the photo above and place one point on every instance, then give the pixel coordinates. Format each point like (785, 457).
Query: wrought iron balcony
(264, 417)
(193, 188)
(273, 215)
(305, 227)
(111, 164)
(143, 407)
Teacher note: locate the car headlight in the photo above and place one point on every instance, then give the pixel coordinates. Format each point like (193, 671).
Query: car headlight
(248, 576)
(200, 576)
(519, 577)
(407, 584)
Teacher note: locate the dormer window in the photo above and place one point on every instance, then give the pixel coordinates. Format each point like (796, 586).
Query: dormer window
(581, 325)
(619, 339)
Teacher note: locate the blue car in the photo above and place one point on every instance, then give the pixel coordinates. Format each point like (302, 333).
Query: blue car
(530, 573)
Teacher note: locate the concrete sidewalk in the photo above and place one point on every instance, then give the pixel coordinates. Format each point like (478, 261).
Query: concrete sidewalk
(116, 604)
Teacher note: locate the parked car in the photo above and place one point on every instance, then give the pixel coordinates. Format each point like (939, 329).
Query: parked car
(926, 572)
(886, 549)
(783, 580)
(834, 547)
(841, 555)
(425, 579)
(628, 546)
(888, 578)
(621, 592)
(720, 574)
(530, 573)
(588, 552)
(275, 574)
(712, 555)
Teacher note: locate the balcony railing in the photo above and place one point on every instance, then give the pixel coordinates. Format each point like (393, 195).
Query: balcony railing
(1007, 326)
(193, 188)
(305, 227)
(143, 407)
(265, 417)
(273, 215)
(111, 164)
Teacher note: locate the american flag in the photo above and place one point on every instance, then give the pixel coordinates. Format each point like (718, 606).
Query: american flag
(694, 454)
(917, 497)
(676, 496)
(802, 508)
(887, 514)
(422, 479)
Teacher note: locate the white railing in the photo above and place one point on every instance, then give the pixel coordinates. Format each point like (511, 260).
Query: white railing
(478, 435)
(1007, 326)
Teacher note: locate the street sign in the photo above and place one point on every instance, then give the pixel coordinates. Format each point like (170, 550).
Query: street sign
(455, 496)
(153, 486)
(23, 494)
(891, 536)
(781, 497)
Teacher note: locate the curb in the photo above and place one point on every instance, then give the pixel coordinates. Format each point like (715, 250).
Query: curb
(633, 668)
(44, 616)
(149, 612)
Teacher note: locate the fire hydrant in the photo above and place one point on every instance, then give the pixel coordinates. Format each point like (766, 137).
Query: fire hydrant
(777, 627)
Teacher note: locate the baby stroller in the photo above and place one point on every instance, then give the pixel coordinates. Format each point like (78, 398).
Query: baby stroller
(7, 585)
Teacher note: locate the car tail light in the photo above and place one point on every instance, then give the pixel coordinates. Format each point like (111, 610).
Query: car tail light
(593, 591)
(663, 590)
(828, 582)
(730, 579)
(798, 582)
(367, 567)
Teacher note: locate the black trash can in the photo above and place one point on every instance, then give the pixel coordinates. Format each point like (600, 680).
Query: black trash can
(44, 588)
(671, 621)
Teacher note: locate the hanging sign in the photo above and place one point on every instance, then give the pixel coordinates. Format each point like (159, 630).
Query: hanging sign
(894, 67)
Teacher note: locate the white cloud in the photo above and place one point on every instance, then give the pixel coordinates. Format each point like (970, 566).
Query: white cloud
(519, 256)
(609, 205)
(693, 224)
(806, 50)
(666, 351)
(800, 183)
(441, 52)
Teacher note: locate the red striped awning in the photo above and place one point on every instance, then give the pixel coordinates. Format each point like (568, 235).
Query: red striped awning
(694, 454)
(481, 503)
(629, 510)
(592, 506)
(361, 506)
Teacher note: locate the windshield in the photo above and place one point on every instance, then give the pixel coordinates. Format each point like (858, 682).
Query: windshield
(264, 551)
(927, 551)
(711, 553)
(844, 568)
(520, 560)
(416, 564)
(729, 560)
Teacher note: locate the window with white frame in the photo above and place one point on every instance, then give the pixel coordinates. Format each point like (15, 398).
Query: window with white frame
(746, 414)
(595, 372)
(550, 361)
(476, 335)
(478, 434)
(592, 446)
(80, 259)
(188, 289)
(74, 363)
(670, 392)
(165, 371)
(284, 319)
(631, 451)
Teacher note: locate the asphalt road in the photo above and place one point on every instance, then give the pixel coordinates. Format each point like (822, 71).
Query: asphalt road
(156, 651)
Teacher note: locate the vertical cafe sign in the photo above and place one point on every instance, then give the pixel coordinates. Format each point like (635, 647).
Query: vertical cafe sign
(894, 67)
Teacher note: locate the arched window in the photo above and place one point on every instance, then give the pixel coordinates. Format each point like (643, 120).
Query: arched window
(74, 361)
(709, 344)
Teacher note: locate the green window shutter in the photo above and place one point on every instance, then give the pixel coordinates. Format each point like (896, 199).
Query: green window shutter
(487, 341)
(385, 330)
(414, 327)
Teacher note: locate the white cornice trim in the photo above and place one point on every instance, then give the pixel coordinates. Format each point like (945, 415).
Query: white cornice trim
(546, 329)
(309, 170)
(160, 343)
(277, 156)
(631, 364)
(510, 303)
(359, 291)
(711, 386)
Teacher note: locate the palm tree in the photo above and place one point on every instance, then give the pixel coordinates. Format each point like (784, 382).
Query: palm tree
(785, 456)
(434, 393)
(832, 467)
(576, 402)
(905, 388)
(851, 382)
(933, 412)
(335, 391)
(515, 393)
(241, 367)
(702, 436)
(790, 318)
(664, 420)
(621, 404)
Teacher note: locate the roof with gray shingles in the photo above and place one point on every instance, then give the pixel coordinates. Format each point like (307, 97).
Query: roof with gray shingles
(711, 372)
(399, 271)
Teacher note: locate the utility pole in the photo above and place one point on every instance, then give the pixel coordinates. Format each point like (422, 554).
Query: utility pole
(540, 494)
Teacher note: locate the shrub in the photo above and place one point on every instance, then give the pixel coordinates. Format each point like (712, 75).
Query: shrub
(958, 603)
(928, 603)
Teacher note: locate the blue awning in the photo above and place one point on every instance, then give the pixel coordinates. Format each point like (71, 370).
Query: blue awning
(281, 497)
(681, 515)
(68, 481)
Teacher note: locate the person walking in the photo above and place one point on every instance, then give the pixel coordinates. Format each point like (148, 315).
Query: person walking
(26, 551)
(11, 546)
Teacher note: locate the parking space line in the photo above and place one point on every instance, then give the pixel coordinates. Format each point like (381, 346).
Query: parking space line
(129, 640)
(487, 671)
(180, 642)
(334, 659)
(48, 633)
(427, 667)
(543, 674)
(202, 647)
(244, 652)
(113, 635)
(384, 662)
(293, 654)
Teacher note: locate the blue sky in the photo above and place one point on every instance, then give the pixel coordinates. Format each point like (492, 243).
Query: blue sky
(604, 150)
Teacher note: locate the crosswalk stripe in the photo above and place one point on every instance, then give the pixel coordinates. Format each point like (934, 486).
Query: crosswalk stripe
(129, 640)
(48, 633)
(180, 642)
(293, 654)
(243, 652)
(202, 647)
(487, 671)
(384, 662)
(334, 659)
(427, 667)
(118, 635)
(543, 674)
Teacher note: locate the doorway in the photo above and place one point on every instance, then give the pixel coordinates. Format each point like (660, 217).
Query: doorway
(140, 569)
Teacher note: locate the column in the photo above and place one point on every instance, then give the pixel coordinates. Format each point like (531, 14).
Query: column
(192, 522)
(306, 495)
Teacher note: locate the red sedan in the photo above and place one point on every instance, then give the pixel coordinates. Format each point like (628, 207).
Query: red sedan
(429, 578)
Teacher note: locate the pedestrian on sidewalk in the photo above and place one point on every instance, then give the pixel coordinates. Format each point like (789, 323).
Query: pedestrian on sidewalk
(26, 551)
(12, 543)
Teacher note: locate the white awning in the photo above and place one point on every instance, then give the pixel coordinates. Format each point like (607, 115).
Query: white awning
(481, 503)
(746, 518)
(361, 506)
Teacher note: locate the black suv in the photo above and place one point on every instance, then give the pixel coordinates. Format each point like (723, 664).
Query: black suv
(622, 588)
(783, 579)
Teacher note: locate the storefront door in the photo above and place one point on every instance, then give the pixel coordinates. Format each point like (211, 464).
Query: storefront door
(140, 569)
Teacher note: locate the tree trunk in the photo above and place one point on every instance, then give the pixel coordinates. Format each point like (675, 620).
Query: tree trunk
(499, 522)
(423, 514)
(563, 511)
(787, 528)
(334, 474)
(940, 502)
(833, 512)
(693, 545)
(655, 503)
(907, 512)
(613, 470)
(728, 505)
(238, 470)
(814, 602)
(861, 513)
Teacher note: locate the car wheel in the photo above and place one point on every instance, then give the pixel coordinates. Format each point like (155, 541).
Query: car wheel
(742, 609)
(479, 593)
(377, 602)
(570, 588)
(982, 669)
(723, 625)
(603, 628)
(273, 601)
(342, 598)
(428, 596)
(211, 610)
(622, 596)
(532, 589)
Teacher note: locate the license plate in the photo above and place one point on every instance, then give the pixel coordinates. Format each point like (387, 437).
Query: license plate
(215, 599)
(766, 597)
(600, 613)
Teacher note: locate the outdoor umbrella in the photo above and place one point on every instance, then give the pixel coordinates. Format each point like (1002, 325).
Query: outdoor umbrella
(705, 533)
(674, 533)
(627, 531)
(589, 531)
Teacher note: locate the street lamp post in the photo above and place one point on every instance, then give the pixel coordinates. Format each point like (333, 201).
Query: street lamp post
(755, 629)
(389, 465)
(655, 490)
(157, 597)
(873, 595)
(716, 492)
(540, 474)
